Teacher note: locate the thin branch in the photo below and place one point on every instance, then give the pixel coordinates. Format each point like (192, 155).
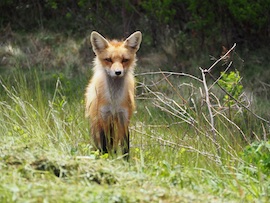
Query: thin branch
(174, 88)
(213, 65)
(166, 101)
(231, 122)
(221, 75)
(220, 59)
(168, 72)
(238, 102)
(208, 103)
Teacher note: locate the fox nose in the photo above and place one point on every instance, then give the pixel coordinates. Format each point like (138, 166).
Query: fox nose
(118, 72)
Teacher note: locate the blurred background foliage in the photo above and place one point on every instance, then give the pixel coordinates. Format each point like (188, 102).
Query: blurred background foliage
(178, 35)
(224, 21)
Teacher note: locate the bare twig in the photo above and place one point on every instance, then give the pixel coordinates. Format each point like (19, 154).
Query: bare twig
(221, 75)
(211, 134)
(264, 133)
(174, 88)
(238, 102)
(179, 113)
(238, 128)
(208, 103)
(168, 72)
(220, 59)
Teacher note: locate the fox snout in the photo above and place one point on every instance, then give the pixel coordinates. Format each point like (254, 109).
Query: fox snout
(117, 70)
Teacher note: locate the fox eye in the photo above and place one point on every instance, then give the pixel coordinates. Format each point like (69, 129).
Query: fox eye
(125, 60)
(108, 60)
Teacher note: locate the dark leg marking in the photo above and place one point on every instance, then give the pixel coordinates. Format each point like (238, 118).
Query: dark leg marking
(126, 145)
(103, 142)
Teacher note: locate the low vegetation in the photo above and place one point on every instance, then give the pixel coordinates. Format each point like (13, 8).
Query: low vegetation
(200, 138)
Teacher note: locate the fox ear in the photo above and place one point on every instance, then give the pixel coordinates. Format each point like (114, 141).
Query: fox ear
(134, 41)
(99, 43)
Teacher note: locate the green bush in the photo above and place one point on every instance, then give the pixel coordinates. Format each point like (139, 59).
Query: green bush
(258, 154)
(231, 83)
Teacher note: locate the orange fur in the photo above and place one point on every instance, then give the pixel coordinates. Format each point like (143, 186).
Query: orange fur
(110, 93)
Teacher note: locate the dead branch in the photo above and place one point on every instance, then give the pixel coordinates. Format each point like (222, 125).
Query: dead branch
(208, 103)
(220, 59)
(171, 73)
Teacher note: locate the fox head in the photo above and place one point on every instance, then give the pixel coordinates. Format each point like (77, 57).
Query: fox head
(116, 57)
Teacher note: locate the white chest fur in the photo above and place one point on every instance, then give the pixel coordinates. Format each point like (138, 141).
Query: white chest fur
(115, 96)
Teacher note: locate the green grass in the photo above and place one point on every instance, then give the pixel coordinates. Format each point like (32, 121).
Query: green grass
(46, 153)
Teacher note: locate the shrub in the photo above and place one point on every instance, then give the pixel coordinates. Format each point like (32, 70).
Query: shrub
(258, 154)
(231, 83)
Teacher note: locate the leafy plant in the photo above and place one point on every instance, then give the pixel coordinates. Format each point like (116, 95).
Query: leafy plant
(231, 83)
(258, 154)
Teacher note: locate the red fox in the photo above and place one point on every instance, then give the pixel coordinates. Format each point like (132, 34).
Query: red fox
(110, 93)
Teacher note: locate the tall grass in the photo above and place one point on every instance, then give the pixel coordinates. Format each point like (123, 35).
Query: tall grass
(177, 153)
